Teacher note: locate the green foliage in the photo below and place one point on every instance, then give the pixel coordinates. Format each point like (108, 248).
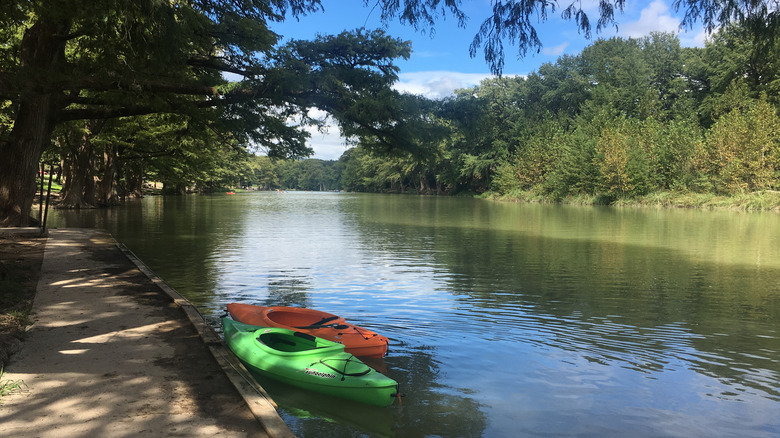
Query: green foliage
(505, 180)
(574, 173)
(514, 21)
(624, 118)
(259, 172)
(672, 154)
(612, 158)
(103, 60)
(741, 150)
(615, 123)
(262, 173)
(8, 387)
(621, 73)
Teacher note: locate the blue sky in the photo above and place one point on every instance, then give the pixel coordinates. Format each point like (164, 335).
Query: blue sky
(440, 63)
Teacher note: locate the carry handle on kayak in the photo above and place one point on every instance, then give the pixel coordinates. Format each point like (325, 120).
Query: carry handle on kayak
(319, 324)
(306, 336)
(336, 326)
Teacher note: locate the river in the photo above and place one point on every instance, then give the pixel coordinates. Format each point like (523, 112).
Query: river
(504, 320)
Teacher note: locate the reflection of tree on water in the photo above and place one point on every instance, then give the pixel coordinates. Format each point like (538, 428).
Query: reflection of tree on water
(312, 414)
(651, 293)
(164, 234)
(288, 289)
(427, 409)
(645, 310)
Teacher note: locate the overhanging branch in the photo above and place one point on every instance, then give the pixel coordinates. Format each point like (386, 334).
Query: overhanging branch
(105, 110)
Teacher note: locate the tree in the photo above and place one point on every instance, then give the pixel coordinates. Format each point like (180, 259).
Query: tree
(619, 74)
(513, 20)
(260, 172)
(557, 89)
(99, 59)
(575, 171)
(742, 150)
(668, 83)
(491, 125)
(671, 153)
(735, 54)
(104, 59)
(79, 156)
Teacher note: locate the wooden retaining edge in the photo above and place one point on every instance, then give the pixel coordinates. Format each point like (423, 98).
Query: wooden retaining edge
(258, 400)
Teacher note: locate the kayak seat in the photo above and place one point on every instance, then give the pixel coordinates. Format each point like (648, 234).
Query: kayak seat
(306, 336)
(297, 342)
(279, 343)
(272, 342)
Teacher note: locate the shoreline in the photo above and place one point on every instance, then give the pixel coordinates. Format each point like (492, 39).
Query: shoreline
(113, 349)
(763, 201)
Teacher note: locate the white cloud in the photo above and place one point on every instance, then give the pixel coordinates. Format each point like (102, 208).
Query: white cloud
(555, 51)
(327, 143)
(694, 40)
(656, 17)
(330, 145)
(590, 5)
(437, 84)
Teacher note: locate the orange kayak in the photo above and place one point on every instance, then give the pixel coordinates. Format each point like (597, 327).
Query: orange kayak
(357, 340)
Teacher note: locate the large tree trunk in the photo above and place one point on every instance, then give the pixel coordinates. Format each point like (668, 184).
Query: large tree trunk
(79, 188)
(425, 188)
(32, 129)
(107, 193)
(41, 56)
(73, 187)
(134, 174)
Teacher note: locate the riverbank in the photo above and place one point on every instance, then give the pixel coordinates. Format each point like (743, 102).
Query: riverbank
(112, 353)
(766, 200)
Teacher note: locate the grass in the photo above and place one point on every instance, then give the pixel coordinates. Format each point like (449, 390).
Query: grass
(18, 319)
(8, 387)
(767, 200)
(532, 196)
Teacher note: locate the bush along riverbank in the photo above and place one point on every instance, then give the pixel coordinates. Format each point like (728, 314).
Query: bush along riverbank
(766, 200)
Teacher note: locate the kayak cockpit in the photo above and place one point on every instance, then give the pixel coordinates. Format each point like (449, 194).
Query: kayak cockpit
(294, 342)
(309, 320)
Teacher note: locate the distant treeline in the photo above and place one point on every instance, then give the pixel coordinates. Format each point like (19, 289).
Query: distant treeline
(624, 118)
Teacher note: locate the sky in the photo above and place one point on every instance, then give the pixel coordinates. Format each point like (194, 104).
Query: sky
(440, 62)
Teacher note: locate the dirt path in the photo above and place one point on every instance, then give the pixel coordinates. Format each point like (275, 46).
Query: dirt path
(110, 354)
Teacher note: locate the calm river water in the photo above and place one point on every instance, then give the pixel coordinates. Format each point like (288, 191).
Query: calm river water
(504, 320)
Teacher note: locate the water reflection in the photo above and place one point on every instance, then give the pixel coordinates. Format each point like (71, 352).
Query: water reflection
(426, 409)
(306, 410)
(287, 290)
(503, 320)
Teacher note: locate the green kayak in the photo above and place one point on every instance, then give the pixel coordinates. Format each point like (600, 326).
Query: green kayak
(307, 362)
